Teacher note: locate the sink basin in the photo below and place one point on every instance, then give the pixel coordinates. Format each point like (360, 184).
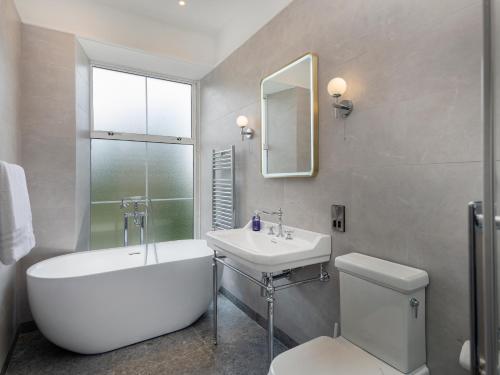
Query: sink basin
(268, 253)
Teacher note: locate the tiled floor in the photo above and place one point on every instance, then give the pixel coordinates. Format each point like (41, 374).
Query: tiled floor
(242, 350)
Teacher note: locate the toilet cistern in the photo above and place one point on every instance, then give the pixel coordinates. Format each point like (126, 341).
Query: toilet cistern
(382, 316)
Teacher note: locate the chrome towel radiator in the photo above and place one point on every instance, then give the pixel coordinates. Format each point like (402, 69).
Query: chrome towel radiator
(223, 196)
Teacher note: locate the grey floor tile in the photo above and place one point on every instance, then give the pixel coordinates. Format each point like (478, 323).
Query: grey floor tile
(241, 350)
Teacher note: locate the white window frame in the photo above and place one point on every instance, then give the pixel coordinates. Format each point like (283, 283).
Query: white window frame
(193, 140)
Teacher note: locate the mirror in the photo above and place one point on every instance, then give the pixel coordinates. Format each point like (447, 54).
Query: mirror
(289, 102)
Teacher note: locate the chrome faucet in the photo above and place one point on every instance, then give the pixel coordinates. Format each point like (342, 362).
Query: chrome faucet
(279, 214)
(140, 209)
(139, 216)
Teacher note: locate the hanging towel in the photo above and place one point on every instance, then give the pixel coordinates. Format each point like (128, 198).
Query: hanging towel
(16, 226)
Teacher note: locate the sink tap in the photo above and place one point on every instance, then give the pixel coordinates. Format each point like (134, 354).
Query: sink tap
(279, 214)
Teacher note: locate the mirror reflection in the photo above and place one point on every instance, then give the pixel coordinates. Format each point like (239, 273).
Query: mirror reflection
(289, 120)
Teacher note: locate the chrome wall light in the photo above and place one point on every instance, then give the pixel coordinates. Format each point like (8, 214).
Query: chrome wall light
(245, 131)
(336, 88)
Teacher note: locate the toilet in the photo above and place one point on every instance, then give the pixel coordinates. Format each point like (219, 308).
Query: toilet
(382, 307)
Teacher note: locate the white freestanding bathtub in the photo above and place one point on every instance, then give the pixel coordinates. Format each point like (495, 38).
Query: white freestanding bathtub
(96, 301)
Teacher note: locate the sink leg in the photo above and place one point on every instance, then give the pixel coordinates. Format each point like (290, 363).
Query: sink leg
(215, 292)
(270, 316)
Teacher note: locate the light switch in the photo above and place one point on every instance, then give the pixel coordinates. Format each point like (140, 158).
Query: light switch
(338, 218)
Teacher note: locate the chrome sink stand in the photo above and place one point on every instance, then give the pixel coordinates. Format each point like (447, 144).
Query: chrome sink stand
(268, 290)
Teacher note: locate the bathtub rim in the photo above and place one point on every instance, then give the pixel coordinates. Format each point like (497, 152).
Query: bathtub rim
(30, 270)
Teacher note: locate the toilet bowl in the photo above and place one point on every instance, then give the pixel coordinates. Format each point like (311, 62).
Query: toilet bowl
(332, 356)
(382, 320)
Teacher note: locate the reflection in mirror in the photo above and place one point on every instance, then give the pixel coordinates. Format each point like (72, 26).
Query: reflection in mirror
(289, 120)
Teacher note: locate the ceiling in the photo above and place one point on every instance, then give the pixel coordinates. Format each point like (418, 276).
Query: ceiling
(157, 35)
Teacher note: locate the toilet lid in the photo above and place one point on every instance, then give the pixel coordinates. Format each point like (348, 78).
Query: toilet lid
(328, 356)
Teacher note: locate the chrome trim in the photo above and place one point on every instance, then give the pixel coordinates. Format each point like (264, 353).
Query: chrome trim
(479, 218)
(141, 219)
(134, 137)
(345, 108)
(414, 304)
(215, 291)
(279, 214)
(223, 189)
(239, 272)
(246, 132)
(297, 283)
(268, 290)
(488, 267)
(473, 224)
(125, 230)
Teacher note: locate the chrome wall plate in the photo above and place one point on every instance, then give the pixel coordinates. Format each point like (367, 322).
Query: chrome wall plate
(338, 218)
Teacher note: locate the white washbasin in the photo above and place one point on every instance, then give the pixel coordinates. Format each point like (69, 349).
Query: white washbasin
(268, 253)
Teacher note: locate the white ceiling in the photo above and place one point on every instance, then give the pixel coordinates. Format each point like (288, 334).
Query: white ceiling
(157, 35)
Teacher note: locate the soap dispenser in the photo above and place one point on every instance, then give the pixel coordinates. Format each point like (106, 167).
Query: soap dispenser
(256, 222)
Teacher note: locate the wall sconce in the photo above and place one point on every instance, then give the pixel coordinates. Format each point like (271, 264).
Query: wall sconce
(337, 88)
(246, 132)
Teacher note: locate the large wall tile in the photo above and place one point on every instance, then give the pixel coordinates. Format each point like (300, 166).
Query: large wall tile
(405, 163)
(10, 135)
(55, 119)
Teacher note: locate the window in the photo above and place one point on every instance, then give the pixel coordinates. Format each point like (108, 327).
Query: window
(169, 108)
(119, 101)
(142, 145)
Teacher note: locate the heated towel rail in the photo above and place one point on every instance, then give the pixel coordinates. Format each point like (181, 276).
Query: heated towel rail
(223, 195)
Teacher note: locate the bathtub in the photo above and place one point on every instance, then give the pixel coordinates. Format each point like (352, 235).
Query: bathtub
(96, 301)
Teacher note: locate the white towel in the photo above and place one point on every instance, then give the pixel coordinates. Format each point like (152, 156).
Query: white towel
(16, 226)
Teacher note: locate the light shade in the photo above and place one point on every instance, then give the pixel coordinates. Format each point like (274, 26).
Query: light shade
(337, 87)
(242, 121)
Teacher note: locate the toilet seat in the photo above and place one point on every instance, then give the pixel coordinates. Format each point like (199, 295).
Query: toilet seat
(329, 356)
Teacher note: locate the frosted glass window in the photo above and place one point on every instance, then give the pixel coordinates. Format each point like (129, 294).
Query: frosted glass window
(174, 220)
(127, 166)
(119, 101)
(170, 171)
(163, 172)
(169, 108)
(107, 227)
(118, 169)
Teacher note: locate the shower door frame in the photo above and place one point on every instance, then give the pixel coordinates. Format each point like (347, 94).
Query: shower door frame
(193, 140)
(483, 223)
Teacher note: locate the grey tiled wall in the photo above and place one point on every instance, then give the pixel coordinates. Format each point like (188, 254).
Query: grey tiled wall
(54, 119)
(405, 163)
(10, 54)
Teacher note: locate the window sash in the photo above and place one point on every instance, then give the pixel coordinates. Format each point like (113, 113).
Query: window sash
(123, 136)
(97, 134)
(156, 138)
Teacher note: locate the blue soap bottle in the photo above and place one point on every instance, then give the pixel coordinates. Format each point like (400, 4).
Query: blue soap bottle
(256, 222)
